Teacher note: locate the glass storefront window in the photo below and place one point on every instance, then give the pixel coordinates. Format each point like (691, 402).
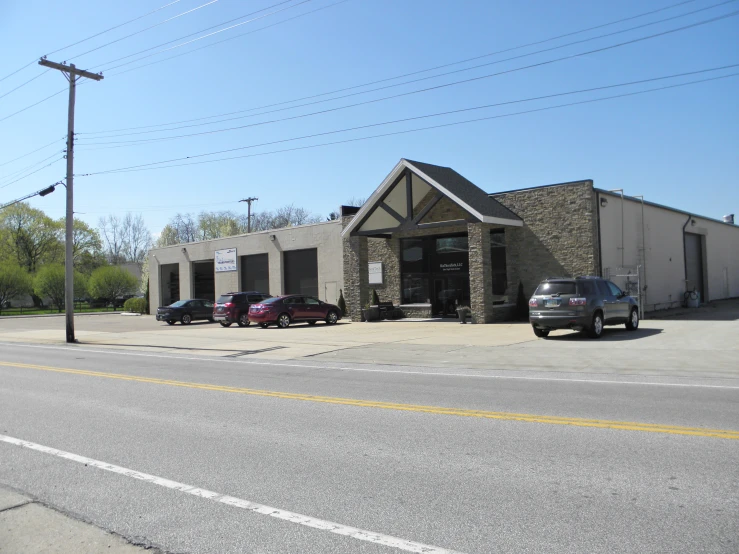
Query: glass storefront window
(415, 289)
(451, 245)
(413, 259)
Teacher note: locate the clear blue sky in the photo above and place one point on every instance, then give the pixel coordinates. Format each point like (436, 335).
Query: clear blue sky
(678, 147)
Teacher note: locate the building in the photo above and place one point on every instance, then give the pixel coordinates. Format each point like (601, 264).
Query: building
(429, 240)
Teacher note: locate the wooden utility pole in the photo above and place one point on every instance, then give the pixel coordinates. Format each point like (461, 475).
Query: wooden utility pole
(72, 74)
(248, 212)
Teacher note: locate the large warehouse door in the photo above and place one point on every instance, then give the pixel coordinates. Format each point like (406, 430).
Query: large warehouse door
(694, 263)
(169, 284)
(301, 272)
(203, 280)
(255, 273)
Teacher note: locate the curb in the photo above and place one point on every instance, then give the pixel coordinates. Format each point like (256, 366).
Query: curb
(57, 315)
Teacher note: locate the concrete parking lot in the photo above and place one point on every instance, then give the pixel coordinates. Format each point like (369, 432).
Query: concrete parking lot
(702, 342)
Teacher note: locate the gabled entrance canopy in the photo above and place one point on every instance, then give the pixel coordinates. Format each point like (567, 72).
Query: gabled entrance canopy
(417, 195)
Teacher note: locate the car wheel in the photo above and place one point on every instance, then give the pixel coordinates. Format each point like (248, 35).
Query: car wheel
(170, 322)
(283, 321)
(541, 333)
(633, 323)
(264, 325)
(244, 320)
(596, 328)
(186, 319)
(332, 317)
(225, 323)
(311, 323)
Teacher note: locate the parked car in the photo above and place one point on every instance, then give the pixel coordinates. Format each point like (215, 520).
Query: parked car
(186, 311)
(233, 307)
(293, 308)
(583, 304)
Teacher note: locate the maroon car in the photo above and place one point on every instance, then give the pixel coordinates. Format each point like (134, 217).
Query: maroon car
(293, 308)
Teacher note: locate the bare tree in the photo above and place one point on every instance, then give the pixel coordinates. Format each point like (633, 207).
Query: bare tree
(137, 238)
(113, 235)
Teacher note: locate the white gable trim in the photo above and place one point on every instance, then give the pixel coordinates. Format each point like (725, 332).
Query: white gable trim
(390, 179)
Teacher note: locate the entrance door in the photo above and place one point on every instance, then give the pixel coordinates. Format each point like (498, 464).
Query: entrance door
(450, 292)
(694, 263)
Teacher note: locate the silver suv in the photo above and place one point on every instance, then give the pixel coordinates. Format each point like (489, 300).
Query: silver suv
(583, 304)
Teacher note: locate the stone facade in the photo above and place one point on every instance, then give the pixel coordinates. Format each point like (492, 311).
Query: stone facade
(559, 237)
(356, 293)
(481, 276)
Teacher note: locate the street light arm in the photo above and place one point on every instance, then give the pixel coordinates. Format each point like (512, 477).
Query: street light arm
(42, 192)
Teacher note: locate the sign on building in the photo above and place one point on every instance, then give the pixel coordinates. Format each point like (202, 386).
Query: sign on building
(375, 273)
(226, 260)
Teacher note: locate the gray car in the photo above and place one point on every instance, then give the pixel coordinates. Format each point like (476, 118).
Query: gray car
(583, 304)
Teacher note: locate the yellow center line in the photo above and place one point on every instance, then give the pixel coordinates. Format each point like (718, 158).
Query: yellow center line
(507, 416)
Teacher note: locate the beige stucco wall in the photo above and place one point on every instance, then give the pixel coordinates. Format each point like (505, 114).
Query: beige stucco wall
(325, 237)
(665, 257)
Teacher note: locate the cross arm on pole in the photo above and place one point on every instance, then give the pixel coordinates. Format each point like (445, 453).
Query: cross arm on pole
(70, 69)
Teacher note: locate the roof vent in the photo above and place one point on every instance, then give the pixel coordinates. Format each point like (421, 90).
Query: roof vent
(729, 219)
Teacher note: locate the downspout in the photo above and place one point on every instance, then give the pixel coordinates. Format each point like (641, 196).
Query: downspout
(685, 254)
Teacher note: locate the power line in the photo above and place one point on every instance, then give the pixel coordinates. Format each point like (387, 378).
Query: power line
(32, 173)
(190, 51)
(19, 171)
(231, 38)
(389, 78)
(195, 33)
(144, 167)
(24, 84)
(144, 29)
(399, 95)
(90, 37)
(32, 152)
(42, 192)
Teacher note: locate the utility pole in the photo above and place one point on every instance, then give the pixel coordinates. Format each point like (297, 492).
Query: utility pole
(72, 74)
(248, 212)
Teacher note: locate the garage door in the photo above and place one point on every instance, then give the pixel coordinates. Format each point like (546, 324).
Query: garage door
(255, 273)
(204, 283)
(301, 272)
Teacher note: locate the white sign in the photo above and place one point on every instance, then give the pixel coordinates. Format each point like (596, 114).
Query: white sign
(226, 260)
(375, 273)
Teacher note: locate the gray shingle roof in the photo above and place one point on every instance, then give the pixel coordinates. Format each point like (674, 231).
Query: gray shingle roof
(465, 190)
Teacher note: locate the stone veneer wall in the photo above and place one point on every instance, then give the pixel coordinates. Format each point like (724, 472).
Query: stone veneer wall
(481, 275)
(559, 237)
(356, 274)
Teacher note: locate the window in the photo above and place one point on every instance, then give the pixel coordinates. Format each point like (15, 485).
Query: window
(294, 300)
(253, 298)
(312, 301)
(615, 291)
(415, 289)
(556, 287)
(587, 288)
(603, 288)
(449, 245)
(498, 261)
(224, 298)
(412, 259)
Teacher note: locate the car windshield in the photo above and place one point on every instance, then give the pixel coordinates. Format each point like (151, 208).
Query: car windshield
(178, 304)
(225, 298)
(556, 287)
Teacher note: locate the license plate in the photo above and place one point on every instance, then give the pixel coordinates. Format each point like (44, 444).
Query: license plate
(551, 302)
(219, 317)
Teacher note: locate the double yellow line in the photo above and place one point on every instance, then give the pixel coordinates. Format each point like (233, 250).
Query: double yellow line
(506, 416)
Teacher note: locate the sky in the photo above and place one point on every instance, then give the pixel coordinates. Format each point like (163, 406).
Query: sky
(678, 146)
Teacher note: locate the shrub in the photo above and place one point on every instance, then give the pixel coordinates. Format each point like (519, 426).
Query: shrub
(111, 282)
(135, 305)
(375, 298)
(342, 303)
(49, 283)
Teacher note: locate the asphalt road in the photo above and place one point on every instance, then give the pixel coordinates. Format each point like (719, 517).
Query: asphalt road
(399, 456)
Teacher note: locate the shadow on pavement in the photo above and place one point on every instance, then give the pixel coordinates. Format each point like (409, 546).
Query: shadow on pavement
(609, 335)
(720, 310)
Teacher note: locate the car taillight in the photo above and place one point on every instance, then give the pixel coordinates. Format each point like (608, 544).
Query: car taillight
(533, 303)
(578, 301)
(228, 305)
(258, 307)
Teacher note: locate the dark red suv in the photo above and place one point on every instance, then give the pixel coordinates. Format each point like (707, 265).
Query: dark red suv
(293, 308)
(233, 307)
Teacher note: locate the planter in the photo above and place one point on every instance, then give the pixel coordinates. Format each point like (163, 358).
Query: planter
(371, 314)
(462, 314)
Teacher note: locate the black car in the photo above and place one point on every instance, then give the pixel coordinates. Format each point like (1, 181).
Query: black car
(583, 304)
(233, 307)
(186, 311)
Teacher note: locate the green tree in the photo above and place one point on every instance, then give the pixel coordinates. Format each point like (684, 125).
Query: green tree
(49, 283)
(111, 282)
(14, 282)
(30, 236)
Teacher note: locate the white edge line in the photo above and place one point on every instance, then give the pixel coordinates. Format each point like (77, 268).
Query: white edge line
(285, 515)
(367, 370)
